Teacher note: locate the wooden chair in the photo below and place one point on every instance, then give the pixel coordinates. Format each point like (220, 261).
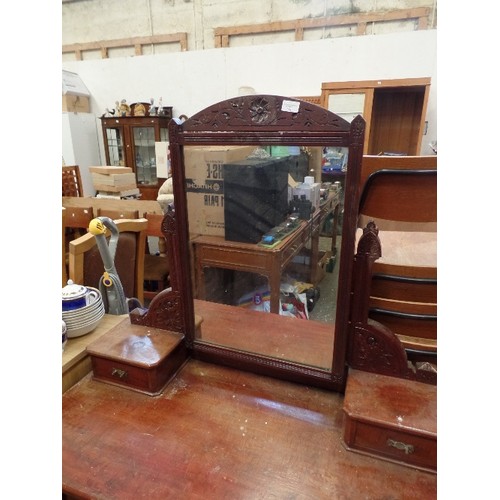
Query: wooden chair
(408, 306)
(86, 266)
(376, 346)
(71, 181)
(156, 267)
(402, 202)
(372, 164)
(400, 196)
(122, 213)
(118, 214)
(76, 224)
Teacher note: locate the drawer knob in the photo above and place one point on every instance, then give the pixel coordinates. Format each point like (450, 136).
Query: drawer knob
(115, 372)
(407, 448)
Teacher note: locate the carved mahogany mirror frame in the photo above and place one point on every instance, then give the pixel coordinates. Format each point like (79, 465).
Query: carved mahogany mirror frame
(265, 120)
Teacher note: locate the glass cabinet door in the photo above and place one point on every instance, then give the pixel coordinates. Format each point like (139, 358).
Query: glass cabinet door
(145, 156)
(347, 105)
(115, 142)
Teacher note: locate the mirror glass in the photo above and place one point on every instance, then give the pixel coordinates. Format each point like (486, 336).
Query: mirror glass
(265, 235)
(264, 245)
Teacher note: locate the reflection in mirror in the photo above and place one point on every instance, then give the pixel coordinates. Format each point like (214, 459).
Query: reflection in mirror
(263, 247)
(265, 235)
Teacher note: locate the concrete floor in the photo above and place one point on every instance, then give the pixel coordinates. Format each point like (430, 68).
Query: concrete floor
(324, 310)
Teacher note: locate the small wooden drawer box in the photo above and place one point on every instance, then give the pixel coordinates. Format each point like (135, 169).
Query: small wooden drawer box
(391, 418)
(137, 357)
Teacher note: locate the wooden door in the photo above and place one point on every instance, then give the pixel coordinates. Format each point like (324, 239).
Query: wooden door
(394, 111)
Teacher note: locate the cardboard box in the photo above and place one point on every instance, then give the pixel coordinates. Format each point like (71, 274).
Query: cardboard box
(75, 103)
(205, 185)
(107, 169)
(114, 189)
(115, 180)
(75, 95)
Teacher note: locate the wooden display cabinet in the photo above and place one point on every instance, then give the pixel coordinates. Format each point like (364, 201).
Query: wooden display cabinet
(394, 111)
(129, 141)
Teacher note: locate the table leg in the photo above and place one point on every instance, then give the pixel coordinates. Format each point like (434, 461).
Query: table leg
(315, 257)
(274, 288)
(199, 293)
(334, 229)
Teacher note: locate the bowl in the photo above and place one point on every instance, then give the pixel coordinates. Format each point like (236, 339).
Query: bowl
(77, 296)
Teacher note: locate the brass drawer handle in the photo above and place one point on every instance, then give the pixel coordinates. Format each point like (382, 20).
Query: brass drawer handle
(115, 372)
(407, 448)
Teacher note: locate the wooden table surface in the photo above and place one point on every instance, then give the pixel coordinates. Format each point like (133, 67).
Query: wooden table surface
(219, 433)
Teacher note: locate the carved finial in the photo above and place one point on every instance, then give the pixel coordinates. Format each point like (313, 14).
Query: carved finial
(371, 226)
(357, 129)
(369, 243)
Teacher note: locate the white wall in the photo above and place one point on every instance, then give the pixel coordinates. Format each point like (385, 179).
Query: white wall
(80, 146)
(190, 81)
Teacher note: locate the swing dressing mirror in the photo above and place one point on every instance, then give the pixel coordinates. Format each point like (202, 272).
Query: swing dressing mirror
(246, 284)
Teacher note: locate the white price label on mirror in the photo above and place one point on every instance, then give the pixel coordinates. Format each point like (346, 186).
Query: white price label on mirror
(290, 106)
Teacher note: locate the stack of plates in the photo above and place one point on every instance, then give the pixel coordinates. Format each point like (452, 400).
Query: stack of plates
(64, 335)
(85, 319)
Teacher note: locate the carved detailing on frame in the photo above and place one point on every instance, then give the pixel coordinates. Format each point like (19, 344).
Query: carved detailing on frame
(357, 131)
(372, 346)
(376, 349)
(266, 111)
(238, 358)
(165, 312)
(169, 230)
(369, 243)
(168, 226)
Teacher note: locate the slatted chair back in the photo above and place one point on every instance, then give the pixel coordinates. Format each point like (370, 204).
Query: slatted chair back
(71, 181)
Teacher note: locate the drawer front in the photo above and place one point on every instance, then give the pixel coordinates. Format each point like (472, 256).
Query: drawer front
(222, 257)
(121, 374)
(149, 380)
(411, 449)
(293, 247)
